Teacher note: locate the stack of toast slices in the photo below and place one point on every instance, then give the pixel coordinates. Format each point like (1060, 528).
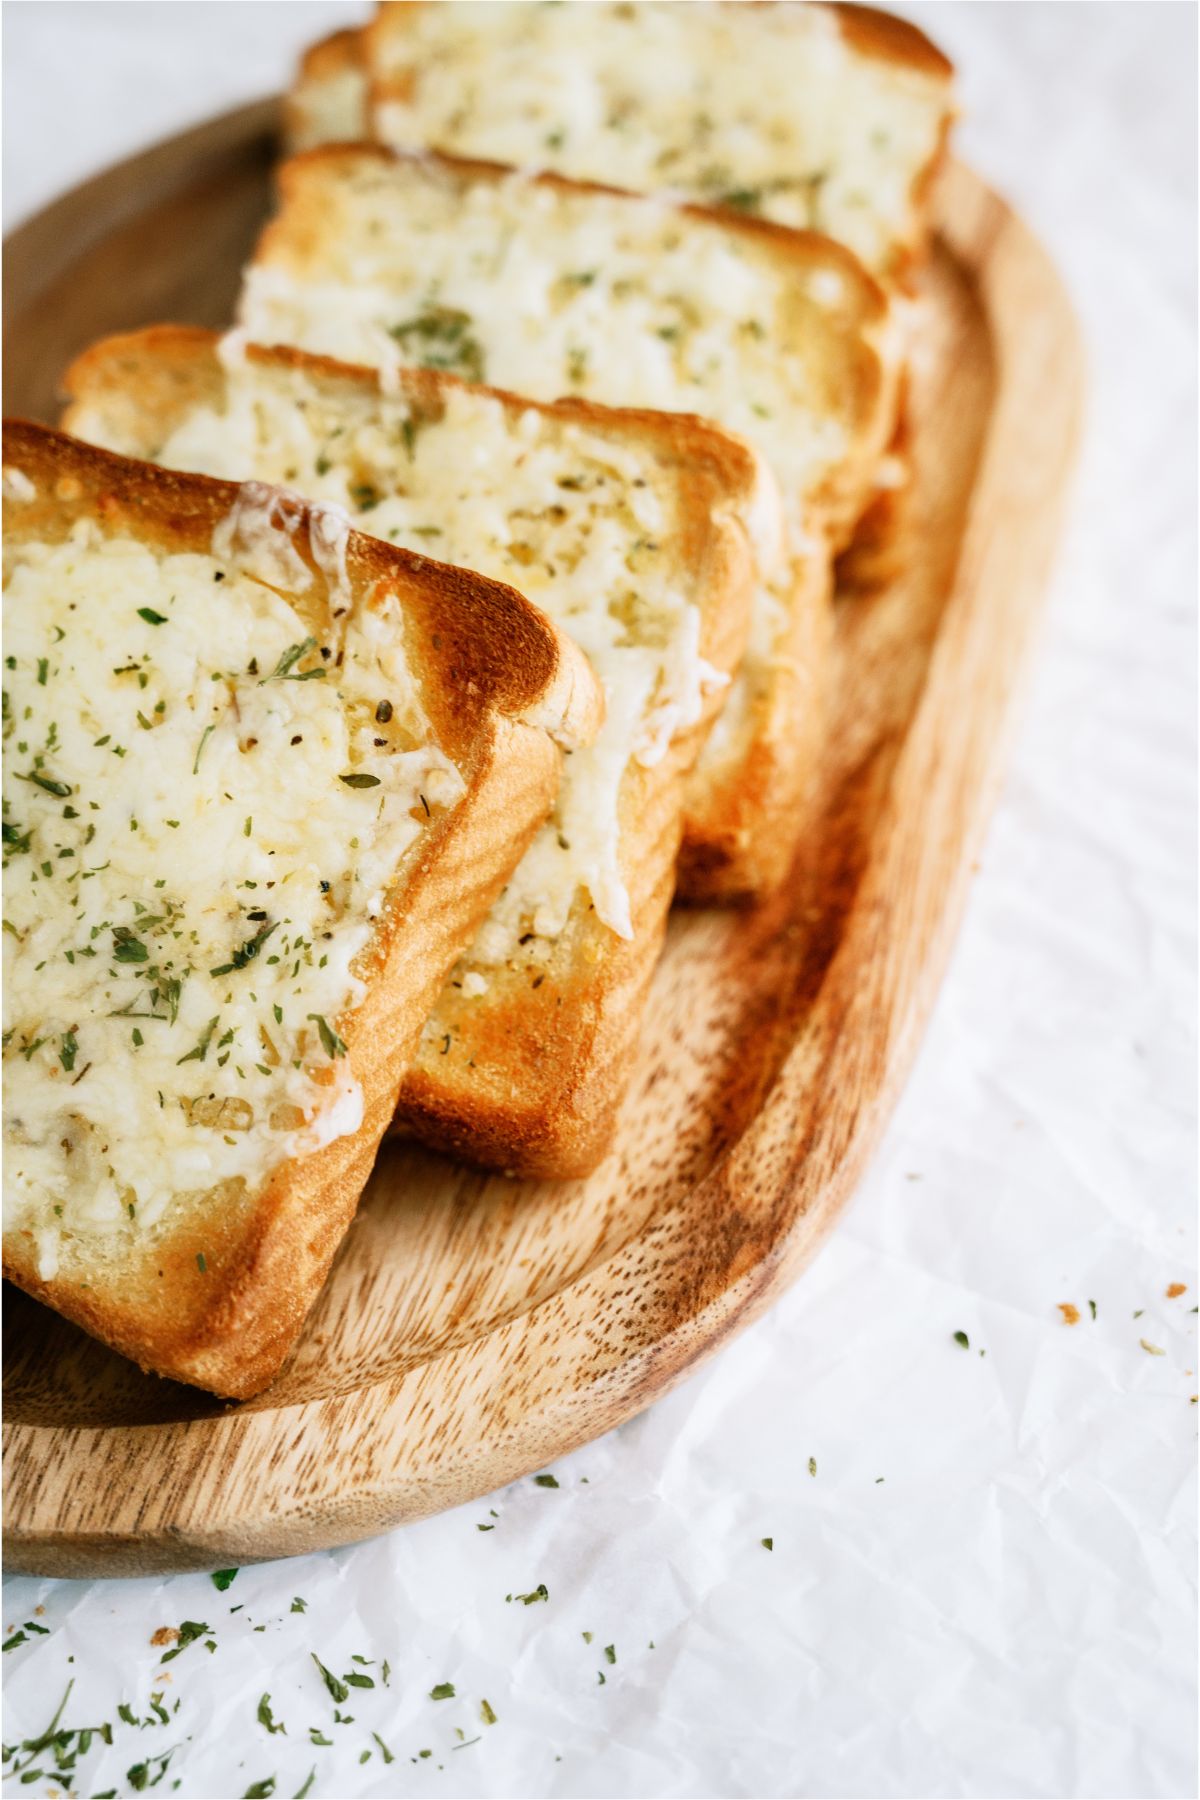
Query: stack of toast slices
(380, 670)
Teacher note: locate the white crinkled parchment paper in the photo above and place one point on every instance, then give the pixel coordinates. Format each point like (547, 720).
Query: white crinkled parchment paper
(987, 1585)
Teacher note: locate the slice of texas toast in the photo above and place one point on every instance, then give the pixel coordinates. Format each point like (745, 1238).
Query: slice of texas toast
(828, 118)
(263, 778)
(633, 532)
(328, 100)
(548, 286)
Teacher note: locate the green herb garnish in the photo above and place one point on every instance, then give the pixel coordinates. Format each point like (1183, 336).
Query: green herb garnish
(540, 1592)
(331, 1042)
(743, 199)
(189, 1631)
(200, 1051)
(59, 789)
(207, 733)
(287, 662)
(267, 1718)
(248, 951)
(440, 338)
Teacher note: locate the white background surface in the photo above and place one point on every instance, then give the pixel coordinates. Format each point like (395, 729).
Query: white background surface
(1011, 1611)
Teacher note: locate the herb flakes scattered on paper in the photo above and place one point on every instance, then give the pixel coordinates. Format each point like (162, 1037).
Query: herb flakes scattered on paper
(338, 1690)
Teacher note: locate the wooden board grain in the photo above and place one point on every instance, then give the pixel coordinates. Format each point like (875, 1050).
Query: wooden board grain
(474, 1328)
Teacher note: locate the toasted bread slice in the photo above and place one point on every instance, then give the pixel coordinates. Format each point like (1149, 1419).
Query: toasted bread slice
(328, 100)
(633, 531)
(827, 118)
(264, 776)
(548, 286)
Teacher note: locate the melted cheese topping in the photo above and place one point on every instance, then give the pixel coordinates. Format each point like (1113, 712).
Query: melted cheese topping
(202, 819)
(766, 108)
(548, 292)
(586, 525)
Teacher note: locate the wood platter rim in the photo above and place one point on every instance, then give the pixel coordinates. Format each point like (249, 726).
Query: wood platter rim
(974, 224)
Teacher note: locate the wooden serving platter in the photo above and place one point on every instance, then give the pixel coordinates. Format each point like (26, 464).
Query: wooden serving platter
(476, 1328)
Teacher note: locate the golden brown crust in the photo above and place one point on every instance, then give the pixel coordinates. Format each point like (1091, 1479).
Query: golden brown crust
(145, 381)
(228, 1325)
(332, 55)
(529, 1076)
(891, 39)
(532, 1075)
